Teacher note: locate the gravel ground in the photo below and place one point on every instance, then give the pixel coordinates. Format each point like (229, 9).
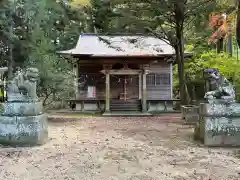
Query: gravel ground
(99, 148)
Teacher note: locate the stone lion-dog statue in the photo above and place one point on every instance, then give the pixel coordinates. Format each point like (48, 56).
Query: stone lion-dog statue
(224, 91)
(23, 86)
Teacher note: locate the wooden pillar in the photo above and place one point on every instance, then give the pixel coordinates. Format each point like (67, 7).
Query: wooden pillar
(171, 81)
(140, 86)
(106, 68)
(75, 69)
(144, 92)
(144, 88)
(107, 104)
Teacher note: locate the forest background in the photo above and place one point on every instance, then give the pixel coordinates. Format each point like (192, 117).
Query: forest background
(32, 31)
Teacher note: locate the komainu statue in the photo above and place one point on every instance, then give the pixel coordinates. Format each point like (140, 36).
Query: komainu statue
(23, 86)
(224, 91)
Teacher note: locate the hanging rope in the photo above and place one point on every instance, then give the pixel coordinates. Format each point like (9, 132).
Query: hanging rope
(95, 78)
(123, 79)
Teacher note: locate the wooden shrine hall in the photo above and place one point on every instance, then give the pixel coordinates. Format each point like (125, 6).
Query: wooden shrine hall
(122, 74)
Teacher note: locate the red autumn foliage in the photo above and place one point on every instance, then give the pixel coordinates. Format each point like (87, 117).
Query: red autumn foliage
(217, 23)
(214, 21)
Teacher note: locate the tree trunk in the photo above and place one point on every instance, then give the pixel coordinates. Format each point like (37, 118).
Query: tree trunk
(92, 28)
(220, 45)
(230, 39)
(180, 62)
(179, 48)
(10, 60)
(10, 63)
(180, 74)
(238, 24)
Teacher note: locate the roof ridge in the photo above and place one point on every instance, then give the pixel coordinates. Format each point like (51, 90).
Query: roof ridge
(115, 34)
(119, 44)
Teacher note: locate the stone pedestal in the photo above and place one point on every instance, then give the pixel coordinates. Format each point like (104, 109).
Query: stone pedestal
(23, 123)
(190, 114)
(22, 108)
(219, 124)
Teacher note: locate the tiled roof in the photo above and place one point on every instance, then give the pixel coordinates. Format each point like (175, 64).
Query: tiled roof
(119, 45)
(3, 69)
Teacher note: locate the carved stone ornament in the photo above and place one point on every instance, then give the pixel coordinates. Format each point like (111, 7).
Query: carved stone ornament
(23, 86)
(224, 92)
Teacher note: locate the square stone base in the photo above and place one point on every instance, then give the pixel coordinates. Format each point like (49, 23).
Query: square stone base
(29, 130)
(219, 110)
(22, 108)
(219, 131)
(190, 114)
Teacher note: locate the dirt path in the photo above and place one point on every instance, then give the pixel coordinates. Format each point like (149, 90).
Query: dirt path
(100, 148)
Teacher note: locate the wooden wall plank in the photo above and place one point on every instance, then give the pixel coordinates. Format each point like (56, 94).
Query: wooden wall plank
(154, 92)
(160, 91)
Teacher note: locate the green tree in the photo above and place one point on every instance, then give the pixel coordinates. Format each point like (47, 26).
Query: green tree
(230, 5)
(167, 20)
(227, 65)
(40, 28)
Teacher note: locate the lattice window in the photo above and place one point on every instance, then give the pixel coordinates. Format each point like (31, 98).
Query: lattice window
(158, 79)
(163, 79)
(151, 79)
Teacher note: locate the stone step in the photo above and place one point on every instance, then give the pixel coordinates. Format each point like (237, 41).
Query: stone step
(125, 109)
(125, 105)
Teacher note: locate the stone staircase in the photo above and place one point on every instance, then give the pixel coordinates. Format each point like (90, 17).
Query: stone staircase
(126, 105)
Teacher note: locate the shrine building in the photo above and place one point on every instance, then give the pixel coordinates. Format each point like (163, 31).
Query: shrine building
(123, 74)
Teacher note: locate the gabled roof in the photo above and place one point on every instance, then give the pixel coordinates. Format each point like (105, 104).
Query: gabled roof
(120, 45)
